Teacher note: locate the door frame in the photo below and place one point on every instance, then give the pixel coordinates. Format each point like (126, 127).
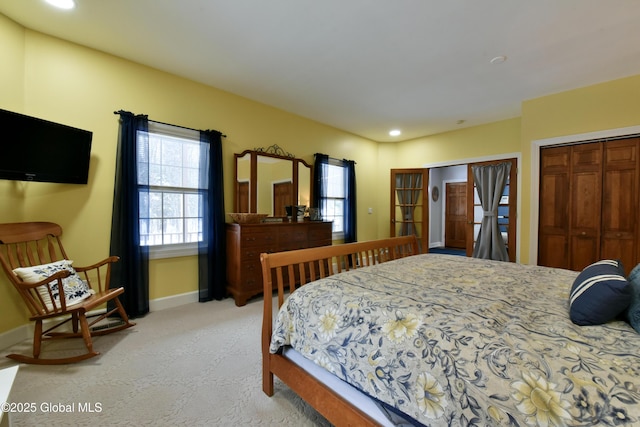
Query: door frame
(498, 157)
(536, 146)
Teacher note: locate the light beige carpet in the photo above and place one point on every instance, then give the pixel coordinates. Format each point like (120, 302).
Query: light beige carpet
(196, 365)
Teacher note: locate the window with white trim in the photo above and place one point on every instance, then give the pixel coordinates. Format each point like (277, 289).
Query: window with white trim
(169, 158)
(333, 205)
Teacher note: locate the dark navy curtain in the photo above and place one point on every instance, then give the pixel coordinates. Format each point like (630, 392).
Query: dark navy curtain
(320, 163)
(350, 224)
(320, 179)
(212, 250)
(132, 271)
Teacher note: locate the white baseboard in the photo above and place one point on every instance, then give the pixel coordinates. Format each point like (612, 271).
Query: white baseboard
(21, 333)
(173, 301)
(435, 244)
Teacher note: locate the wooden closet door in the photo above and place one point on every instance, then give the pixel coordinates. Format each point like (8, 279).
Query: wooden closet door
(586, 205)
(620, 202)
(553, 239)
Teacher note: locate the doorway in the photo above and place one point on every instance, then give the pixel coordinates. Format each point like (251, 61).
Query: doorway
(441, 232)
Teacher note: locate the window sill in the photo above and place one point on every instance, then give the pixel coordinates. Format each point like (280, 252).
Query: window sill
(173, 251)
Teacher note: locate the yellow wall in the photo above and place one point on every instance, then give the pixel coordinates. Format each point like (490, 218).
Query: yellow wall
(489, 140)
(49, 78)
(610, 105)
(59, 81)
(600, 107)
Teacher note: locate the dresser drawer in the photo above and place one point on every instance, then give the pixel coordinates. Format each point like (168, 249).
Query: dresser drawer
(245, 243)
(252, 254)
(252, 283)
(320, 232)
(292, 235)
(259, 239)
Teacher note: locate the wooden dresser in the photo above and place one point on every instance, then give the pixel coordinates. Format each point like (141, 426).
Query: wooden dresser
(245, 243)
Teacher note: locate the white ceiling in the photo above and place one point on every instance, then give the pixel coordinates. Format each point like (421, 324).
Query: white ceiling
(365, 66)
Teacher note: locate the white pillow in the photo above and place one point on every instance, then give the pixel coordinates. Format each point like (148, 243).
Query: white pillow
(75, 289)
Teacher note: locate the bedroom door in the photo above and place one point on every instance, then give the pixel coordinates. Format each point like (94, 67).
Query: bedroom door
(455, 215)
(242, 192)
(409, 205)
(282, 196)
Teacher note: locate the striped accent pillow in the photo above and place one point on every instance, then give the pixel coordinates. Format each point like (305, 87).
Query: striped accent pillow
(599, 294)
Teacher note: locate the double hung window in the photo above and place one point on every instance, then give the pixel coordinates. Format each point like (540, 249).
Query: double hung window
(333, 201)
(170, 188)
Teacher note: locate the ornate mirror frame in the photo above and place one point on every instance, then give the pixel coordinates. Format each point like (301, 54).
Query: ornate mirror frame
(299, 169)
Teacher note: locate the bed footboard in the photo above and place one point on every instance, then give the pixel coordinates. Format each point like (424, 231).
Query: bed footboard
(286, 271)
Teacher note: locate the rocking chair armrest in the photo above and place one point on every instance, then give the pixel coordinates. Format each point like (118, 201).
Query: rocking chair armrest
(35, 293)
(46, 281)
(110, 260)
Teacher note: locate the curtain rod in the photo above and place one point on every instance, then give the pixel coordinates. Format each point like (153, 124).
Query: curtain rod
(170, 124)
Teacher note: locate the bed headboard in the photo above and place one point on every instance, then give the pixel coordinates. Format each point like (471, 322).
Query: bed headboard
(291, 269)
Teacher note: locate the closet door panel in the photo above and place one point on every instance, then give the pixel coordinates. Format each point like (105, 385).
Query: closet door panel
(552, 251)
(554, 219)
(584, 251)
(586, 204)
(620, 202)
(602, 203)
(584, 232)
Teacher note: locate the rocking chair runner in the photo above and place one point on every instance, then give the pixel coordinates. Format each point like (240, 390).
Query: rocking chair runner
(31, 245)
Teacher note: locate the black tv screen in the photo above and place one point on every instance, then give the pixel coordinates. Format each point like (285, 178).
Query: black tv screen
(33, 149)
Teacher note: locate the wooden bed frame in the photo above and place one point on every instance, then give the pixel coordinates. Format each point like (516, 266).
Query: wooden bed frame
(285, 271)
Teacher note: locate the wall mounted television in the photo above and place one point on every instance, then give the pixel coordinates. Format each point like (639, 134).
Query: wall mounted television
(32, 149)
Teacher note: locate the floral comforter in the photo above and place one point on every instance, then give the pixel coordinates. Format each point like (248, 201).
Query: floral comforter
(454, 341)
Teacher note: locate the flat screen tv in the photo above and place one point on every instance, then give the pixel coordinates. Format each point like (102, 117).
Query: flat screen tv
(33, 149)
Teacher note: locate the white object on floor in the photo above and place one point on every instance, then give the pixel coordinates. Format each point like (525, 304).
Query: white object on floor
(7, 376)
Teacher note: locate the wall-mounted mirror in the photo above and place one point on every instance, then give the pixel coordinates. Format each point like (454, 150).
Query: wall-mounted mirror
(269, 179)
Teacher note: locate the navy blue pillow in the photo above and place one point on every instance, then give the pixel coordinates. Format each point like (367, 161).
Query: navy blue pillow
(599, 294)
(633, 312)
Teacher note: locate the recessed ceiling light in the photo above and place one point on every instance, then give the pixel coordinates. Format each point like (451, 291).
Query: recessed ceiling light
(62, 4)
(395, 132)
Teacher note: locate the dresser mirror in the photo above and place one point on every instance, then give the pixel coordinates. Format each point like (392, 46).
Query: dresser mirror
(267, 180)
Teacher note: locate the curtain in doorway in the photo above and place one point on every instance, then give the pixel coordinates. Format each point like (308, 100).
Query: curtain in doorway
(132, 271)
(408, 189)
(490, 182)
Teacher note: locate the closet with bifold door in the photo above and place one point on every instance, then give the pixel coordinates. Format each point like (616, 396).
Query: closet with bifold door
(589, 204)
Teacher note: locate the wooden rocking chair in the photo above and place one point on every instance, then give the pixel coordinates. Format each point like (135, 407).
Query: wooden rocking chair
(32, 247)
